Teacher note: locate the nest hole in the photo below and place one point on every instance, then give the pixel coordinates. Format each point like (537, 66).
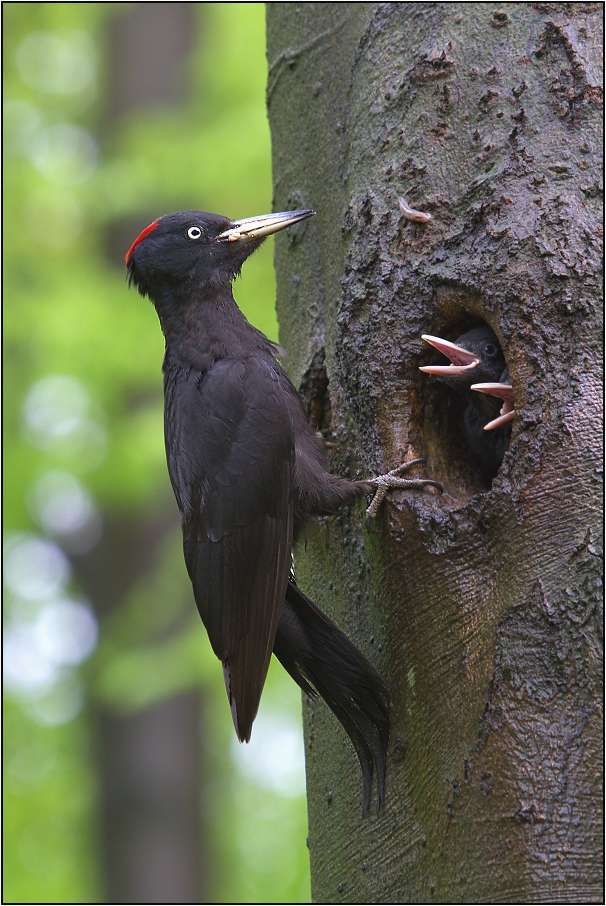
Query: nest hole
(464, 467)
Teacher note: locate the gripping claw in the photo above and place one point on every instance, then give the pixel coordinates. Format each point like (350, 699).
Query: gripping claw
(392, 479)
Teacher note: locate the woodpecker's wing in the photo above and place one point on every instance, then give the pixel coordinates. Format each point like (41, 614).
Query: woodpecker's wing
(230, 450)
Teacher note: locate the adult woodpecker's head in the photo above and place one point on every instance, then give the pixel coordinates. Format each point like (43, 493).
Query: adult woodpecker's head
(195, 247)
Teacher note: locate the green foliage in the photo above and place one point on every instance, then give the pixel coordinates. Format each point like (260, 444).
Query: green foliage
(49, 794)
(69, 312)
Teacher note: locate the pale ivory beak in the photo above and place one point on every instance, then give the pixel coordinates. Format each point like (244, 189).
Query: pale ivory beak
(257, 227)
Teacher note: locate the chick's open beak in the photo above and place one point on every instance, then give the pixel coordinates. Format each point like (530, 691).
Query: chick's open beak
(461, 360)
(257, 227)
(504, 392)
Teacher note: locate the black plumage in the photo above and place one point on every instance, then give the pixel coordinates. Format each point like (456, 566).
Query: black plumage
(247, 471)
(475, 357)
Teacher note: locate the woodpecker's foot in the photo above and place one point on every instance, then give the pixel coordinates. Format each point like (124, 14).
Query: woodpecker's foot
(392, 480)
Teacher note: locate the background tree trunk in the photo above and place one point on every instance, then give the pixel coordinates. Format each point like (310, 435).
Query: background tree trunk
(480, 608)
(150, 762)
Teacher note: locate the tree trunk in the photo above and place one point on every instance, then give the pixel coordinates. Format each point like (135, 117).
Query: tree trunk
(152, 834)
(153, 845)
(150, 763)
(480, 608)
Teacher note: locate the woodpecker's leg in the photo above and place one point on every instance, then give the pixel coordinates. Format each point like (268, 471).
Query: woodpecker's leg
(392, 480)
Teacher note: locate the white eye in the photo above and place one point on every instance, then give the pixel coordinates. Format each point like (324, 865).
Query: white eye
(194, 232)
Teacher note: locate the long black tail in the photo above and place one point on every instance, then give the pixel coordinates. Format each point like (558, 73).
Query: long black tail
(321, 659)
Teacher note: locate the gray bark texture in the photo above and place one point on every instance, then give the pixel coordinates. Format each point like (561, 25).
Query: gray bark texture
(480, 608)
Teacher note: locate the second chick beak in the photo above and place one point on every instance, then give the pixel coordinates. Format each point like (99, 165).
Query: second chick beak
(502, 391)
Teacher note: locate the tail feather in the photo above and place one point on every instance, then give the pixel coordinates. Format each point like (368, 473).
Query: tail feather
(322, 660)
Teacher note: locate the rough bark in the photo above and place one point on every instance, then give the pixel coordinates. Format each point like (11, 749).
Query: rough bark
(480, 608)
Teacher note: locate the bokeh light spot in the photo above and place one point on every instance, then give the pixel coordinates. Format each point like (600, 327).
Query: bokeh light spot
(64, 154)
(60, 417)
(60, 705)
(274, 757)
(65, 508)
(57, 64)
(25, 671)
(34, 569)
(66, 632)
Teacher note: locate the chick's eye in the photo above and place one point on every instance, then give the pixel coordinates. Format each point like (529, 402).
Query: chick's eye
(490, 349)
(194, 232)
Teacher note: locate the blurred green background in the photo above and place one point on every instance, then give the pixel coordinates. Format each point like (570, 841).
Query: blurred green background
(121, 765)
